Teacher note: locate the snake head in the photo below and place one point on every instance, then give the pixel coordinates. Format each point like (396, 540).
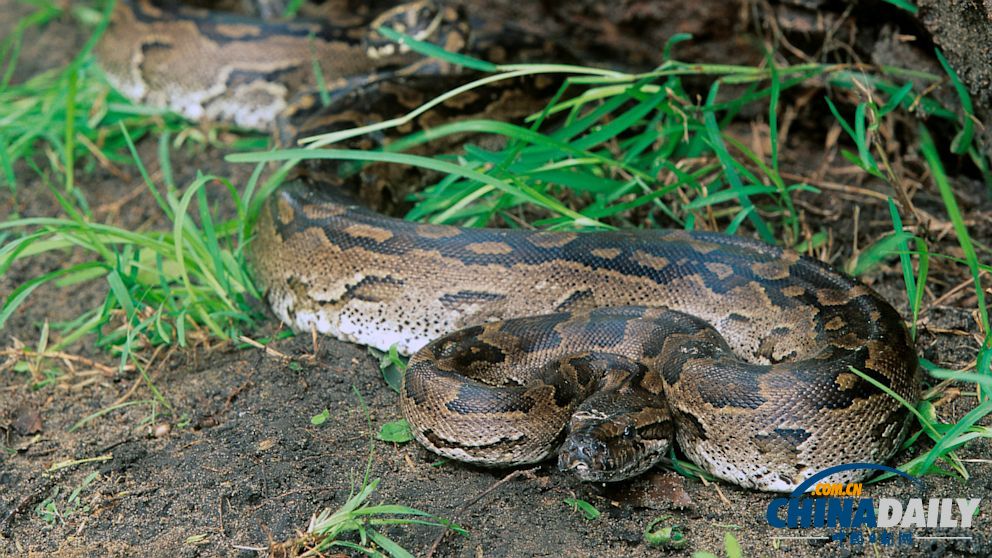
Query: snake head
(585, 456)
(610, 449)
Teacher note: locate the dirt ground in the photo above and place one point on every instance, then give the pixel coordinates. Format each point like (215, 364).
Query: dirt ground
(237, 464)
(963, 31)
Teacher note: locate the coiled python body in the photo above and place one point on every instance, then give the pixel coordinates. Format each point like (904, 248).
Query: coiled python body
(609, 341)
(743, 348)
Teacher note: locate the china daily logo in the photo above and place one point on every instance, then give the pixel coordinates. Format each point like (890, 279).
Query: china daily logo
(858, 519)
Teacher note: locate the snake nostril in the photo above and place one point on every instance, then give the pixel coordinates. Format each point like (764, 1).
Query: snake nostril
(581, 455)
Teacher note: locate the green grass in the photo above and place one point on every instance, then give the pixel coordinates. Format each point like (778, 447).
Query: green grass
(731, 547)
(649, 121)
(59, 508)
(661, 531)
(358, 517)
(584, 508)
(908, 6)
(163, 287)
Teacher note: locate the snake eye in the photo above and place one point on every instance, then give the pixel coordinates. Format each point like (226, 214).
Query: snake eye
(630, 431)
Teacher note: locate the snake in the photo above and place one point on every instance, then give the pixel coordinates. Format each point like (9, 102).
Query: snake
(603, 349)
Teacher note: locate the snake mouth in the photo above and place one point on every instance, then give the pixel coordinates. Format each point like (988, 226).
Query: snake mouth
(585, 457)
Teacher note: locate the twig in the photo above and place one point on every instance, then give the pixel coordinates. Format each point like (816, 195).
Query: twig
(946, 297)
(251, 548)
(314, 340)
(220, 516)
(837, 186)
(268, 350)
(527, 473)
(104, 161)
(137, 382)
(715, 485)
(28, 353)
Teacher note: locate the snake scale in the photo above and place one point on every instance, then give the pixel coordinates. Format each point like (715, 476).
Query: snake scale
(598, 348)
